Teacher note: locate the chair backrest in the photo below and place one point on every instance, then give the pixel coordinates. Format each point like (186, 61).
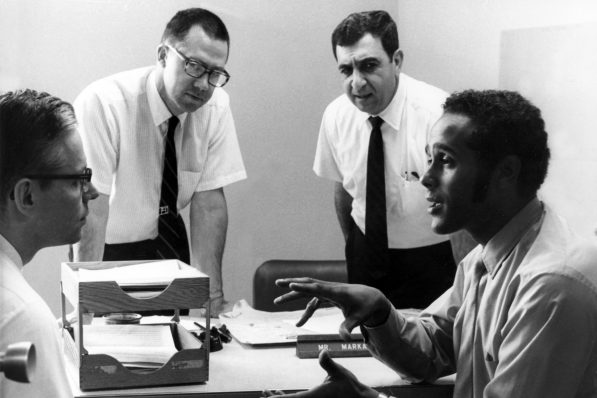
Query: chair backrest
(265, 290)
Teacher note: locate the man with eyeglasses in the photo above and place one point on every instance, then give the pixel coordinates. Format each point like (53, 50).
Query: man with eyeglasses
(372, 145)
(158, 139)
(44, 193)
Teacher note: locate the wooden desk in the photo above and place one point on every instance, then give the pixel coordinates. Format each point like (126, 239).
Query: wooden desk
(243, 371)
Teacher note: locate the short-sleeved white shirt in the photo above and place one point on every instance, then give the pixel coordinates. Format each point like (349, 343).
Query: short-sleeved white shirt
(341, 156)
(123, 123)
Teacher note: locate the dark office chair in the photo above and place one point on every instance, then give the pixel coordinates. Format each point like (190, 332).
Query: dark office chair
(265, 290)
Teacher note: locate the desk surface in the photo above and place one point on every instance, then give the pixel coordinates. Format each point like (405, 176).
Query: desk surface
(243, 371)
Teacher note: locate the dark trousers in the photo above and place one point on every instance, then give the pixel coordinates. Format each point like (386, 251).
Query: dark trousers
(410, 278)
(149, 249)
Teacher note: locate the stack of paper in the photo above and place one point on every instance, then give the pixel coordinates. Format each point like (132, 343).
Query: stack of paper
(135, 346)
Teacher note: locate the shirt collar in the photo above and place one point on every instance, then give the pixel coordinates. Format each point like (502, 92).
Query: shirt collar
(8, 250)
(157, 106)
(500, 246)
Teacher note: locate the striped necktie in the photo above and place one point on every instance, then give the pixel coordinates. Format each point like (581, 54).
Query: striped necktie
(376, 227)
(172, 236)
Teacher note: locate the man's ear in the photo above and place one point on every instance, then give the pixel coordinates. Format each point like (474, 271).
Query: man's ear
(161, 53)
(22, 196)
(508, 171)
(398, 58)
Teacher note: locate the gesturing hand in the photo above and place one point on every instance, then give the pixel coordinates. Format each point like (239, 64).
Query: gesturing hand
(360, 304)
(340, 382)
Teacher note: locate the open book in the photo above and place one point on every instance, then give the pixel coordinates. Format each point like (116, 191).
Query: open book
(135, 346)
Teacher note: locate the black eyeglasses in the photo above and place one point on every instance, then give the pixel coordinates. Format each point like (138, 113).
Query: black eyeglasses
(84, 178)
(196, 69)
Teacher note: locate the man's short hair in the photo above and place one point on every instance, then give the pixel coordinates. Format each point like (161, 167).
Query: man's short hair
(505, 123)
(377, 23)
(184, 20)
(31, 125)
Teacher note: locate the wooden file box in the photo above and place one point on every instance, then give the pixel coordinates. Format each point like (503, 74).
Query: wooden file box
(101, 371)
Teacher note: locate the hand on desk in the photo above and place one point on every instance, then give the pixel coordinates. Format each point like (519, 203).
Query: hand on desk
(340, 382)
(360, 304)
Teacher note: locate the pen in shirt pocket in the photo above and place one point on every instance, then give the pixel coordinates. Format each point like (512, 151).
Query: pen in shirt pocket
(411, 176)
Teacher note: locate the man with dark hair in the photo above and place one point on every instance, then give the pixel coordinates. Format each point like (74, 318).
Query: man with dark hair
(372, 144)
(161, 138)
(44, 190)
(521, 317)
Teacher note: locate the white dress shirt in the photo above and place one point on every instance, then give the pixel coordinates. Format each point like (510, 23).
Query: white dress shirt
(341, 156)
(536, 318)
(123, 123)
(25, 316)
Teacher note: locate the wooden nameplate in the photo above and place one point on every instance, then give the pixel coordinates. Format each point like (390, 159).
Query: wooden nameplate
(309, 346)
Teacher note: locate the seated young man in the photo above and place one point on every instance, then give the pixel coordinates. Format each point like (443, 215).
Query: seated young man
(521, 317)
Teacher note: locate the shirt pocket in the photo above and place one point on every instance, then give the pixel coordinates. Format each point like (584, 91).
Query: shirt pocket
(412, 197)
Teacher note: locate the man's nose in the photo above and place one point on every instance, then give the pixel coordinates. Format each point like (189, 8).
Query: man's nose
(427, 180)
(358, 81)
(91, 193)
(202, 82)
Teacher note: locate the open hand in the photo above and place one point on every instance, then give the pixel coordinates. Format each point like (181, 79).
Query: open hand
(360, 304)
(340, 382)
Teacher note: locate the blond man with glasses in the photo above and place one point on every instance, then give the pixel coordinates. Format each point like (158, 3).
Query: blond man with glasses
(45, 191)
(159, 139)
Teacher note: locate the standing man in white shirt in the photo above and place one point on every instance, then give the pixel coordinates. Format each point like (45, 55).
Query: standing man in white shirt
(159, 139)
(372, 144)
(44, 191)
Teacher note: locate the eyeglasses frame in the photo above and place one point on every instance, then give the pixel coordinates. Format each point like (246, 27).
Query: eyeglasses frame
(84, 178)
(208, 70)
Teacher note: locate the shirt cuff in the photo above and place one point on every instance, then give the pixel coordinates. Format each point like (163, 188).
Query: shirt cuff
(222, 181)
(387, 330)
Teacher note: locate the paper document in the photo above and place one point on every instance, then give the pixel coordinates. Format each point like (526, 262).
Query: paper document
(250, 326)
(149, 346)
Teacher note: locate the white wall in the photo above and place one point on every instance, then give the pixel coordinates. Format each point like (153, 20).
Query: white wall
(563, 84)
(546, 49)
(282, 210)
(455, 44)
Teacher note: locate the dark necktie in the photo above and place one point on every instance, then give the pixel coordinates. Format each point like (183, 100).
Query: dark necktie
(376, 226)
(172, 236)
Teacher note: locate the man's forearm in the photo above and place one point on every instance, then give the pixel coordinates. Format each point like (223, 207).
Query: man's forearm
(93, 234)
(209, 223)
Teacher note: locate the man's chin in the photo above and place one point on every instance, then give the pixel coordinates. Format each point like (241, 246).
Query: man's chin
(365, 106)
(441, 228)
(192, 107)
